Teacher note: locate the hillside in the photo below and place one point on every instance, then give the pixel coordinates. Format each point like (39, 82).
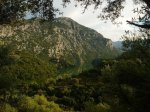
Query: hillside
(63, 41)
(40, 63)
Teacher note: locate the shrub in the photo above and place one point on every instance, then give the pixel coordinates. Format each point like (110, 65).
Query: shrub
(7, 108)
(37, 104)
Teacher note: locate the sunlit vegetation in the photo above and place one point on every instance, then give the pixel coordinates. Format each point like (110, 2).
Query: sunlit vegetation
(29, 83)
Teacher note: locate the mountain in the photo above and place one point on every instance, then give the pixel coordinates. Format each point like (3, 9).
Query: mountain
(118, 44)
(64, 42)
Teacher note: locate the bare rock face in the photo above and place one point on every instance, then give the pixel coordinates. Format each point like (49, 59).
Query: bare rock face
(62, 39)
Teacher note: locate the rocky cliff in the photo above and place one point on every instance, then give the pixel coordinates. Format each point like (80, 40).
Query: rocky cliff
(62, 41)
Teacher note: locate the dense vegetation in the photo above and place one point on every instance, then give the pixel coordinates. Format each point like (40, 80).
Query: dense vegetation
(29, 83)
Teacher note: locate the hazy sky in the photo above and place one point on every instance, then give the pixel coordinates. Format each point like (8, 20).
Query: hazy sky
(89, 19)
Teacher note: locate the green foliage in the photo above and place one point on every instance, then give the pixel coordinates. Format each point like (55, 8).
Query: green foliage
(14, 11)
(27, 67)
(126, 82)
(22, 71)
(102, 107)
(7, 108)
(37, 104)
(5, 57)
(6, 81)
(119, 85)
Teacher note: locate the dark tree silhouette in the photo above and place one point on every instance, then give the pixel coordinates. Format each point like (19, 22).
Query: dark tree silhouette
(111, 9)
(15, 10)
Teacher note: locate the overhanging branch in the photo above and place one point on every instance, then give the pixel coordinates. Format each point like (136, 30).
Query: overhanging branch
(147, 26)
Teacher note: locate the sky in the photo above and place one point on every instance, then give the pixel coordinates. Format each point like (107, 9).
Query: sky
(89, 19)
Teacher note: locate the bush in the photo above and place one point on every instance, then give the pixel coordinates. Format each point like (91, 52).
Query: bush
(91, 107)
(37, 104)
(7, 108)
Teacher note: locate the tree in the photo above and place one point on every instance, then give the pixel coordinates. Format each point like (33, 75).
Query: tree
(15, 10)
(5, 57)
(7, 108)
(38, 104)
(111, 9)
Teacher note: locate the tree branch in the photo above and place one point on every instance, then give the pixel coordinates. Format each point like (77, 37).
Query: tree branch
(147, 2)
(138, 25)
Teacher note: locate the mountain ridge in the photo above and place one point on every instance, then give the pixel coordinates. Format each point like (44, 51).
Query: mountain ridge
(118, 44)
(63, 41)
